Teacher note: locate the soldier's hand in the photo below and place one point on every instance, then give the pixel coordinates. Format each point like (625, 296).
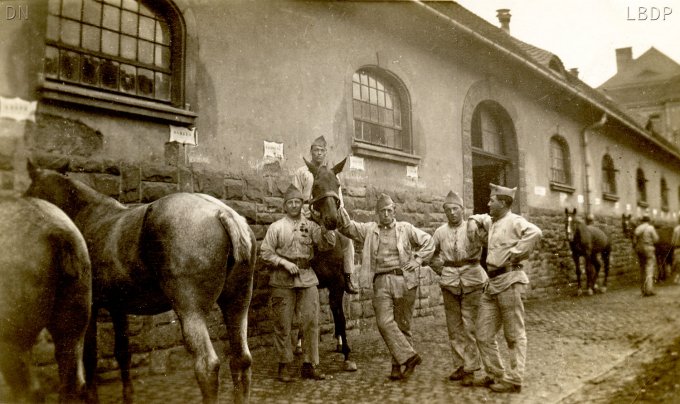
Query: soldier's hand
(412, 265)
(472, 230)
(291, 268)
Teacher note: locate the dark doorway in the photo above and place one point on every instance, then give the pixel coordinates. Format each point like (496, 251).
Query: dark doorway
(485, 171)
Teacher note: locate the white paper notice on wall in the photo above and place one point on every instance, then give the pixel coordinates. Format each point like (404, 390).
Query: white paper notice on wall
(628, 207)
(412, 171)
(579, 198)
(273, 150)
(17, 109)
(654, 212)
(597, 201)
(181, 134)
(616, 206)
(540, 191)
(356, 163)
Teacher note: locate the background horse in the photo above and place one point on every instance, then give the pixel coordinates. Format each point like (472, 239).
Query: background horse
(45, 281)
(184, 252)
(587, 241)
(663, 249)
(328, 265)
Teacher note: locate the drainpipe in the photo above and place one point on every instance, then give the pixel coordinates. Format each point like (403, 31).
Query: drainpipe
(584, 154)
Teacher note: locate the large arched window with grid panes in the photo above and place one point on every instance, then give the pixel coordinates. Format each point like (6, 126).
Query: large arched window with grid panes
(560, 164)
(381, 110)
(127, 47)
(641, 183)
(608, 177)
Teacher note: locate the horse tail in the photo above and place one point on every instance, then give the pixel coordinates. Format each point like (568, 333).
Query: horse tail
(236, 226)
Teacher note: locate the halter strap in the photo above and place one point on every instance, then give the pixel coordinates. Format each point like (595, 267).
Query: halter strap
(329, 194)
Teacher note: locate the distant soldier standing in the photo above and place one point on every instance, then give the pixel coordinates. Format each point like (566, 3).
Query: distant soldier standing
(675, 242)
(511, 238)
(644, 239)
(461, 282)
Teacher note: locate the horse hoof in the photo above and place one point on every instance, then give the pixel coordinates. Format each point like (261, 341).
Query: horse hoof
(590, 292)
(298, 350)
(579, 292)
(349, 366)
(603, 289)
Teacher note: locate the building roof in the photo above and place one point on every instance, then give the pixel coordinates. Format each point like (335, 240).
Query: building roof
(544, 62)
(651, 66)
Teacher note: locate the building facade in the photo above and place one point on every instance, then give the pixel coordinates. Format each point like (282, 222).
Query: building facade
(149, 98)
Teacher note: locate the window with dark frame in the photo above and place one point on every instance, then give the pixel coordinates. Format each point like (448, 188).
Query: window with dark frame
(641, 182)
(560, 165)
(380, 112)
(487, 131)
(119, 46)
(608, 175)
(664, 195)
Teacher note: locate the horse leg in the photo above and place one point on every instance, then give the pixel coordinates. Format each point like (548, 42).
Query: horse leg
(235, 315)
(90, 358)
(335, 295)
(605, 259)
(15, 364)
(589, 273)
(577, 265)
(122, 352)
(596, 271)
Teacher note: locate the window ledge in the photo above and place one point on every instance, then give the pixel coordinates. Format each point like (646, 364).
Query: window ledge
(610, 197)
(114, 102)
(556, 186)
(385, 153)
(643, 204)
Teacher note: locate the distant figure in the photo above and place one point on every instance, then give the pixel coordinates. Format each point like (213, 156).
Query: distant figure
(675, 242)
(644, 239)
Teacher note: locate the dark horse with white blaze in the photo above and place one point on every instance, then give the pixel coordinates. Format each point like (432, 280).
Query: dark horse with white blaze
(328, 265)
(184, 252)
(45, 282)
(587, 241)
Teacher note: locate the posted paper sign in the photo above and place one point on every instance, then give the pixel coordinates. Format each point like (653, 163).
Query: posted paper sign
(17, 109)
(356, 163)
(273, 150)
(540, 191)
(183, 135)
(412, 171)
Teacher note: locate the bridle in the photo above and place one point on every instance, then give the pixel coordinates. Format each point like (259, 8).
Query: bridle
(328, 194)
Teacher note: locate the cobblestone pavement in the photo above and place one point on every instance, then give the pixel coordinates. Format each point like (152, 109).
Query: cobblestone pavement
(574, 344)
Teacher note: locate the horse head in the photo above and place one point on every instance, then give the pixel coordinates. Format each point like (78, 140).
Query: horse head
(627, 225)
(571, 224)
(49, 185)
(325, 193)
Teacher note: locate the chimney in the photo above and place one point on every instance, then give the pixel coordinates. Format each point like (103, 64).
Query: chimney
(623, 57)
(504, 15)
(574, 71)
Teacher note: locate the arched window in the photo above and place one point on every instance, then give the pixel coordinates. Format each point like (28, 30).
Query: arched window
(125, 47)
(641, 182)
(664, 195)
(487, 131)
(560, 165)
(381, 110)
(608, 175)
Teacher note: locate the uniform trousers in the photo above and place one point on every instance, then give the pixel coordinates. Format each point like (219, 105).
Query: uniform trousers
(461, 317)
(647, 259)
(284, 303)
(393, 304)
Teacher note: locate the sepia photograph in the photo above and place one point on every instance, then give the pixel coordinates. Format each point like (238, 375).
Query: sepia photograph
(351, 201)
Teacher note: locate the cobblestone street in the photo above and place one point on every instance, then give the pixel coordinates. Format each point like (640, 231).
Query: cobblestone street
(576, 345)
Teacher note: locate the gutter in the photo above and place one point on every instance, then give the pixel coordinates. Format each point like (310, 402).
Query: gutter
(584, 155)
(538, 69)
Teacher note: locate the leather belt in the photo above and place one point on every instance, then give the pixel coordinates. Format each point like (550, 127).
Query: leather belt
(396, 271)
(302, 263)
(493, 271)
(470, 261)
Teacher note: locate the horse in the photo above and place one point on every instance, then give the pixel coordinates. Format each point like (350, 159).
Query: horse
(184, 252)
(45, 282)
(663, 249)
(587, 241)
(328, 265)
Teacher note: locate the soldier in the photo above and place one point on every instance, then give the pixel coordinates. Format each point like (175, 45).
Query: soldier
(644, 238)
(393, 252)
(461, 282)
(511, 238)
(287, 247)
(675, 243)
(303, 180)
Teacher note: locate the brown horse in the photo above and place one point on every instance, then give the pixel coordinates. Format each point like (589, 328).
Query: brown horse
(184, 252)
(45, 282)
(587, 241)
(663, 249)
(328, 265)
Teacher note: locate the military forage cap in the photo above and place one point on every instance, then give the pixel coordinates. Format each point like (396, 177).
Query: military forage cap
(384, 201)
(319, 141)
(453, 198)
(499, 190)
(292, 193)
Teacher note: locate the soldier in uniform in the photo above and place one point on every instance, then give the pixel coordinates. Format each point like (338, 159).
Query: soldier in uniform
(511, 238)
(644, 238)
(288, 248)
(393, 252)
(456, 260)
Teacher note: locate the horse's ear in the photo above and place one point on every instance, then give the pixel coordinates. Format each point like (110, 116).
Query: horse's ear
(574, 211)
(32, 169)
(310, 166)
(566, 211)
(338, 167)
(63, 168)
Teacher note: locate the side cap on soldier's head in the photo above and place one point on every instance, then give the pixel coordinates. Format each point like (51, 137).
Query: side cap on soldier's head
(499, 190)
(320, 142)
(292, 193)
(452, 198)
(384, 201)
